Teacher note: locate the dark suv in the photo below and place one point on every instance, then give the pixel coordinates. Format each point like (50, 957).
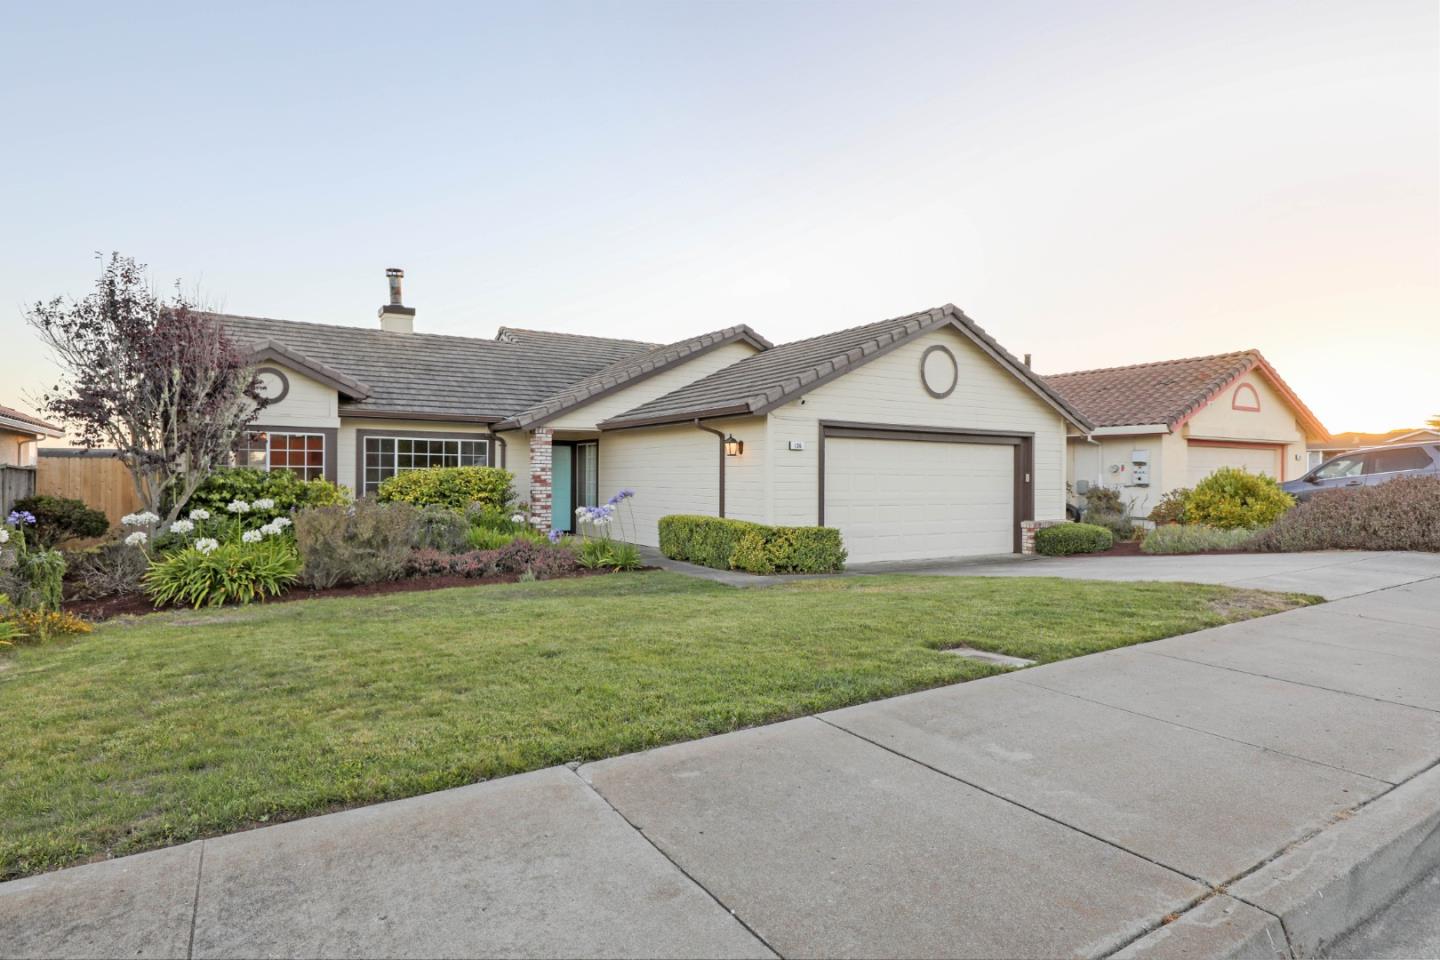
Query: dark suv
(1368, 467)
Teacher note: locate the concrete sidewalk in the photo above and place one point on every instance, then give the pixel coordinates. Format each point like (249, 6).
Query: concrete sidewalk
(1173, 799)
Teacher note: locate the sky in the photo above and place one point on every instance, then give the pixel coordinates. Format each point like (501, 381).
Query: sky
(1094, 183)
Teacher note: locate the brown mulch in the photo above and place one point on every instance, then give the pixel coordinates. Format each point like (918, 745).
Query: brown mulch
(106, 608)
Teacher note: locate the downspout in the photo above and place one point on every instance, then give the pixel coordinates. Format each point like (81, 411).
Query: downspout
(504, 448)
(720, 435)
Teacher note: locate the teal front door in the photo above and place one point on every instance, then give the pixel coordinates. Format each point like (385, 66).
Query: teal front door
(562, 488)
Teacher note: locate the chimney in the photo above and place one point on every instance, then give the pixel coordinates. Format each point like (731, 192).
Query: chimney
(395, 317)
(1027, 356)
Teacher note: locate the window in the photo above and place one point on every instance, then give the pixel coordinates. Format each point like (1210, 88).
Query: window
(303, 454)
(387, 456)
(1343, 467)
(587, 474)
(1392, 461)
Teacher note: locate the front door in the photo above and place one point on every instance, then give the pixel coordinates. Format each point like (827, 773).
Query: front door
(562, 488)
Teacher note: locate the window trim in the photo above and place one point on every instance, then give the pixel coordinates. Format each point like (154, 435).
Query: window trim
(331, 435)
(363, 435)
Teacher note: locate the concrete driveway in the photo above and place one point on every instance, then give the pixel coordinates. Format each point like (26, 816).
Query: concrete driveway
(1332, 574)
(1171, 799)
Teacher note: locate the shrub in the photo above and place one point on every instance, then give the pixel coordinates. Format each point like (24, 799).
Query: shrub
(1231, 498)
(544, 560)
(229, 573)
(455, 487)
(110, 570)
(1171, 508)
(717, 542)
(1195, 538)
(62, 518)
(609, 555)
(366, 542)
(442, 528)
(1063, 539)
(17, 624)
(1403, 514)
(1104, 508)
(32, 577)
(289, 492)
(484, 538)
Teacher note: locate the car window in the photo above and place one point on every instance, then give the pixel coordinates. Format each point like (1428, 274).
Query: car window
(1340, 467)
(1404, 458)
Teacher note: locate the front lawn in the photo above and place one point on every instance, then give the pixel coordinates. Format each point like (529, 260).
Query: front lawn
(187, 724)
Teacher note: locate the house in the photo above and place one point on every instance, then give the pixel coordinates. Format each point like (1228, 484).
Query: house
(1159, 426)
(917, 436)
(20, 435)
(1342, 443)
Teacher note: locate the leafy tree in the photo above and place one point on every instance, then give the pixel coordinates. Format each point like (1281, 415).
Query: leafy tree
(159, 382)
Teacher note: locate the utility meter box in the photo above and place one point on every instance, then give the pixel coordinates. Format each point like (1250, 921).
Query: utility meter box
(1140, 468)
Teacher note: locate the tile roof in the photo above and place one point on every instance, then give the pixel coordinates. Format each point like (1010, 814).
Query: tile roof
(24, 419)
(760, 383)
(632, 369)
(437, 376)
(1165, 392)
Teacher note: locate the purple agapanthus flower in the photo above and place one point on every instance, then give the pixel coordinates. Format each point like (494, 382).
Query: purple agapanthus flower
(555, 536)
(18, 517)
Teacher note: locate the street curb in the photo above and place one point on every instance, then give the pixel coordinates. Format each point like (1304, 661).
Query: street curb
(1336, 880)
(1318, 890)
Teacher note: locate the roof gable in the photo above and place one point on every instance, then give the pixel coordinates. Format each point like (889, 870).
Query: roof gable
(1168, 392)
(767, 380)
(630, 371)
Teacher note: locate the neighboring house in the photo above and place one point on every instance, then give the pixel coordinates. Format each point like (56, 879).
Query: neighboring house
(918, 436)
(1159, 426)
(20, 435)
(1342, 443)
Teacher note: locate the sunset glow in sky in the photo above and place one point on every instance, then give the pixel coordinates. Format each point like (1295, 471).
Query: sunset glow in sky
(1096, 184)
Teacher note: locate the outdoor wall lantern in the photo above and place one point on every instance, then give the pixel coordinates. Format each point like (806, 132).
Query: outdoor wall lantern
(733, 447)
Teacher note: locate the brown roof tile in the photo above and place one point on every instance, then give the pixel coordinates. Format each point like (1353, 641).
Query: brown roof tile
(41, 426)
(1166, 392)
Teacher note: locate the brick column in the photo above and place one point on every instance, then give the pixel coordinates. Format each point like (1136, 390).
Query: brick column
(1027, 532)
(541, 453)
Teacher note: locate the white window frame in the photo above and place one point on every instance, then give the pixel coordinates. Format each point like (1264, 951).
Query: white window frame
(484, 441)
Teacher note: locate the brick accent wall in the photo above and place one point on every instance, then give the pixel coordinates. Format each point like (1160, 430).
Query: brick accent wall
(541, 458)
(1027, 533)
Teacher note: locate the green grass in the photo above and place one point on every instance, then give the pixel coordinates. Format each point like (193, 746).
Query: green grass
(180, 725)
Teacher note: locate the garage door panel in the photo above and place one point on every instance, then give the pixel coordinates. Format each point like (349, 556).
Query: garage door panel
(1204, 460)
(909, 499)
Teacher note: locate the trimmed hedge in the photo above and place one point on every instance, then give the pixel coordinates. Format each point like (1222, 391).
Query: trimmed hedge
(1403, 514)
(752, 547)
(1064, 539)
(454, 487)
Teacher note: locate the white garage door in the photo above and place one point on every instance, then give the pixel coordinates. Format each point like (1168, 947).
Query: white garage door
(915, 499)
(1205, 460)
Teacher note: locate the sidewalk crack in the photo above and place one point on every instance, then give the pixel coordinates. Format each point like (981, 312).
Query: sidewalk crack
(195, 903)
(673, 862)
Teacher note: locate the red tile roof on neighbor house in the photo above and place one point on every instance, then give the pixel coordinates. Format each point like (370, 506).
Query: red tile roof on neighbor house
(10, 417)
(1167, 392)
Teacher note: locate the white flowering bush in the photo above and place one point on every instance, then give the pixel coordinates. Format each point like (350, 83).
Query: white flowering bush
(137, 539)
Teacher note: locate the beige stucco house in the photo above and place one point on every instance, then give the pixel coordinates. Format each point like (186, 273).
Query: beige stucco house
(20, 436)
(1160, 426)
(917, 436)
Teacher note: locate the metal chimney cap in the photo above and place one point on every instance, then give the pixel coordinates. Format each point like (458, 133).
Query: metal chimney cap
(394, 272)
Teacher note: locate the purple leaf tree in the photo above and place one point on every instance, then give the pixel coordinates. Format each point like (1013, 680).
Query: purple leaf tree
(154, 379)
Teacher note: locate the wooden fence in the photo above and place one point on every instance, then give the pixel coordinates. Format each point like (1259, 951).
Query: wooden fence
(15, 483)
(94, 476)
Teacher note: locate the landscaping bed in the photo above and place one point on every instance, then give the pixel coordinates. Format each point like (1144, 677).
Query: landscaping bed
(107, 608)
(161, 729)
